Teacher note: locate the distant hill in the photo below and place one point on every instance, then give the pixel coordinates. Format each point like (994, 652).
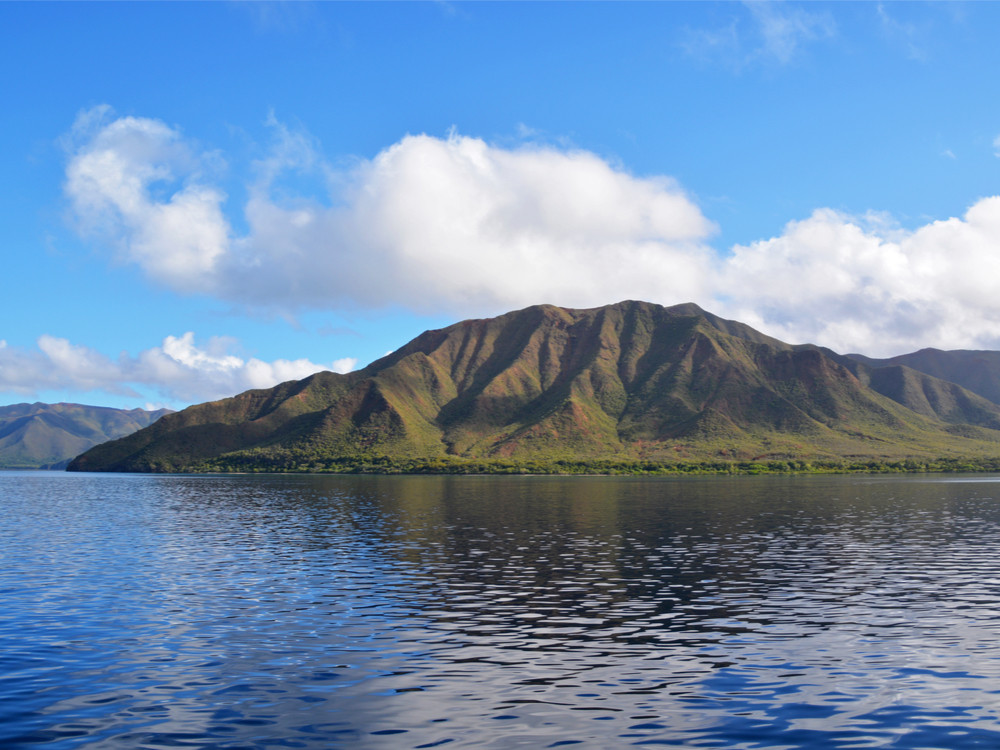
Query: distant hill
(630, 381)
(977, 371)
(47, 436)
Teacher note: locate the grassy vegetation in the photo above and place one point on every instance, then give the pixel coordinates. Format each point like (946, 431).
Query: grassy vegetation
(286, 461)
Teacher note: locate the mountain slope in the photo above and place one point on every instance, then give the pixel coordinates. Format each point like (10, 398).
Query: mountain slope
(631, 380)
(48, 435)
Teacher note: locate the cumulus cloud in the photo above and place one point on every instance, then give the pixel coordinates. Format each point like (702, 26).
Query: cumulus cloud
(430, 223)
(862, 284)
(457, 225)
(178, 369)
(135, 182)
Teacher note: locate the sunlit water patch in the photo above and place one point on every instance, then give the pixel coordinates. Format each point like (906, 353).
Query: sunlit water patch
(412, 612)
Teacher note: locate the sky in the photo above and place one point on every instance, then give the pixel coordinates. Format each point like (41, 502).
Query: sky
(201, 198)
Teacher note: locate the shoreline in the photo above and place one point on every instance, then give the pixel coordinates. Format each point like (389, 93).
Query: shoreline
(567, 467)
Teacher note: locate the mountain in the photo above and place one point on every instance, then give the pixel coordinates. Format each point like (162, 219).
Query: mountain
(630, 381)
(977, 371)
(47, 436)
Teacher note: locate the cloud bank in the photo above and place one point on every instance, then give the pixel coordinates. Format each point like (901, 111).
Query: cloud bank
(461, 226)
(178, 369)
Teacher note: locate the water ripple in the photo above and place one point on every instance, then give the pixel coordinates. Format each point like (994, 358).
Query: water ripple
(317, 612)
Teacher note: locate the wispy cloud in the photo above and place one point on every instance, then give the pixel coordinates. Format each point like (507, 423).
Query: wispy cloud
(906, 34)
(783, 30)
(996, 146)
(178, 369)
(760, 32)
(280, 17)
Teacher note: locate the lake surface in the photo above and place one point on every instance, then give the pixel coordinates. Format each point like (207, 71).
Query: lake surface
(486, 612)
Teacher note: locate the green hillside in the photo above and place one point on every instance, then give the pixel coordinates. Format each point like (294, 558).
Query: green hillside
(34, 436)
(627, 382)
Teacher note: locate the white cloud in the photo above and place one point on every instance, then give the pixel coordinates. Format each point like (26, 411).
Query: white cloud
(90, 370)
(858, 285)
(178, 369)
(135, 182)
(429, 223)
(461, 226)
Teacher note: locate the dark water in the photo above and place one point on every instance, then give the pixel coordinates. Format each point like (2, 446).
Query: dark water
(326, 612)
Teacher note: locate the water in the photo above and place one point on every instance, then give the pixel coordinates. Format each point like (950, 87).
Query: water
(415, 612)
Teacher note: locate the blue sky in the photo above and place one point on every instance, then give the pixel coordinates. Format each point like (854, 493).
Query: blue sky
(200, 198)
